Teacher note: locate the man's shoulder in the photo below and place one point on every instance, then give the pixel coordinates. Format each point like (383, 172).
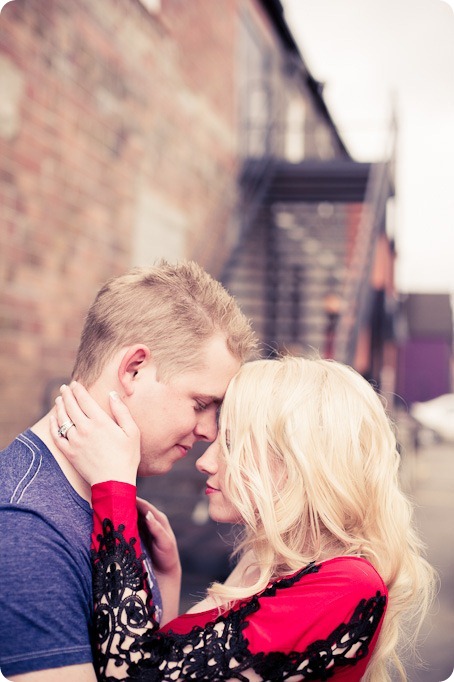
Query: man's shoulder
(34, 489)
(26, 446)
(20, 463)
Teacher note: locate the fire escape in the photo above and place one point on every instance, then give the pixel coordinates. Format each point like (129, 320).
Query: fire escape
(302, 267)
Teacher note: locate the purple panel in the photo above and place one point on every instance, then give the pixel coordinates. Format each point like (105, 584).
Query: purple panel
(423, 370)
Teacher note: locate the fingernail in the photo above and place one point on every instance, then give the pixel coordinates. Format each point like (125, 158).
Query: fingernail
(58, 399)
(62, 386)
(113, 395)
(149, 516)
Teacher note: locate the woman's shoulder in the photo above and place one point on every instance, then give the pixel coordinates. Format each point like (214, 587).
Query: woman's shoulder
(351, 569)
(317, 604)
(340, 584)
(340, 578)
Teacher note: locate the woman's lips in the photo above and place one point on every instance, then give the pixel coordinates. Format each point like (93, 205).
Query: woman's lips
(209, 490)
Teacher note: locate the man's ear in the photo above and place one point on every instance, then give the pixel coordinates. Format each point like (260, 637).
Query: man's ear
(134, 359)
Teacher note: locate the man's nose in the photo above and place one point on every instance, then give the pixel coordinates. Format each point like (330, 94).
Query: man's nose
(206, 427)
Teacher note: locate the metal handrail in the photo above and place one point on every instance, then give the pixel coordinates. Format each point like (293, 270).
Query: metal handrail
(256, 171)
(254, 178)
(357, 286)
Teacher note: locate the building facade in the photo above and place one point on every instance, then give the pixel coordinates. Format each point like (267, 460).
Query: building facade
(124, 128)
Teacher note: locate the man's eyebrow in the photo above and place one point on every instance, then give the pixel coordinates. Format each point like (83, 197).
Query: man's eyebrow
(210, 398)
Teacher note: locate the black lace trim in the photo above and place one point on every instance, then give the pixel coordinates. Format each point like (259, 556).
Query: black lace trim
(123, 604)
(128, 638)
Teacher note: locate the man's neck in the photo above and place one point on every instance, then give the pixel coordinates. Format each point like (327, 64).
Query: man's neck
(42, 430)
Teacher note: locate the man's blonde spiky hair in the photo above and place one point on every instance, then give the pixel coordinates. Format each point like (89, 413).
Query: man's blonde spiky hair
(172, 309)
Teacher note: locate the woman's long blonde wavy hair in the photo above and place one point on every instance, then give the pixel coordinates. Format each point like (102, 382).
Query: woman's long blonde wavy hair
(312, 467)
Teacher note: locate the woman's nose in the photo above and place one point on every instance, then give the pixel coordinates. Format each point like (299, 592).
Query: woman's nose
(208, 462)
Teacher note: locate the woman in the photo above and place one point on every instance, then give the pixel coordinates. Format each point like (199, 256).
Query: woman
(330, 569)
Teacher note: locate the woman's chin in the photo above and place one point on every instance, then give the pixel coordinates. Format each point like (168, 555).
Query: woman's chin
(224, 516)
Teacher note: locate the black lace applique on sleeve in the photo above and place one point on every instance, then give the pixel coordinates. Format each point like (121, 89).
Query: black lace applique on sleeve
(345, 646)
(131, 647)
(123, 604)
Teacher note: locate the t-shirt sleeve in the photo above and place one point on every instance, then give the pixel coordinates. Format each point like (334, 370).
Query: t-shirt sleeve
(45, 596)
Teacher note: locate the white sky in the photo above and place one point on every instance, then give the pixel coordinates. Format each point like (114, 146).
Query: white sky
(368, 52)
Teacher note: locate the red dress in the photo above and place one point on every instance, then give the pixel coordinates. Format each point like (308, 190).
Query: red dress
(320, 623)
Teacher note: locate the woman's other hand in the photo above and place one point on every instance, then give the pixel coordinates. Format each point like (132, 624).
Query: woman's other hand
(161, 542)
(163, 549)
(98, 447)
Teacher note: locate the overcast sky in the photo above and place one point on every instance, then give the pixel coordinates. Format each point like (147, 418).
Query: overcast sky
(368, 52)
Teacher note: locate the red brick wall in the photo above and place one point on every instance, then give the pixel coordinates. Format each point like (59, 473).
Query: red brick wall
(101, 101)
(118, 144)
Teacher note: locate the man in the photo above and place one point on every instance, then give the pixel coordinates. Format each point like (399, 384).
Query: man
(168, 339)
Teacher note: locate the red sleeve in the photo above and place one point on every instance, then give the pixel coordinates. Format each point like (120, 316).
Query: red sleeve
(339, 598)
(123, 603)
(321, 622)
(116, 502)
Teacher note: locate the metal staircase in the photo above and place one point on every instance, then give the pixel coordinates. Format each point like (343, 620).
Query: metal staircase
(310, 242)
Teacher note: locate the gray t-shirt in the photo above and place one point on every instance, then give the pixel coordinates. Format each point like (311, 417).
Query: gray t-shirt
(45, 573)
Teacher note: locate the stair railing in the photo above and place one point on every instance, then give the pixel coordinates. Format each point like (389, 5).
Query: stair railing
(357, 287)
(254, 179)
(257, 169)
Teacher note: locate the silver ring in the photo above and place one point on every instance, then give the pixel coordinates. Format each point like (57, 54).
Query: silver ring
(64, 428)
